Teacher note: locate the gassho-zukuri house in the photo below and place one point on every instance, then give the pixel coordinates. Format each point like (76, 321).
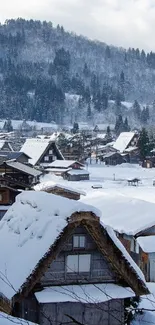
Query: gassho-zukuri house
(59, 263)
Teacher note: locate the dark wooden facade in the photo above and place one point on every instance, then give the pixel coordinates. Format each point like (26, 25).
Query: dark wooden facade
(17, 175)
(84, 176)
(50, 154)
(57, 272)
(113, 159)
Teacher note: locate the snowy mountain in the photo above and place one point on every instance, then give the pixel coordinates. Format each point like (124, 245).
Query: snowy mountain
(48, 74)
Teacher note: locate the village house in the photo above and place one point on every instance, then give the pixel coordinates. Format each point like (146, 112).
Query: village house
(113, 159)
(127, 145)
(60, 189)
(58, 167)
(61, 264)
(131, 219)
(41, 151)
(18, 175)
(5, 145)
(17, 155)
(76, 175)
(125, 141)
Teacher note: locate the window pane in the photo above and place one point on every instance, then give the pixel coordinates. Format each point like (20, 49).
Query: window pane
(75, 241)
(82, 241)
(72, 263)
(84, 263)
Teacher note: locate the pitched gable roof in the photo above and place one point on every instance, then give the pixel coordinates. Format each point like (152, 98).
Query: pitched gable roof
(3, 142)
(64, 163)
(35, 148)
(23, 167)
(124, 214)
(35, 229)
(123, 141)
(29, 228)
(12, 154)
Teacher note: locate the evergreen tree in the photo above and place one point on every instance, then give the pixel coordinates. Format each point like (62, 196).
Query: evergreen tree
(89, 111)
(145, 115)
(137, 109)
(8, 126)
(108, 134)
(126, 125)
(75, 128)
(144, 144)
(119, 126)
(107, 53)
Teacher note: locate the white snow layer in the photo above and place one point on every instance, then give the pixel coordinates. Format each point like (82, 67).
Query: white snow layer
(85, 293)
(34, 148)
(127, 256)
(45, 186)
(124, 214)
(28, 229)
(62, 163)
(9, 320)
(78, 172)
(147, 243)
(123, 141)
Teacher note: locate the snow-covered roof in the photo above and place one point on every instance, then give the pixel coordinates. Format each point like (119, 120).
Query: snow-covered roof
(34, 148)
(78, 172)
(127, 256)
(130, 149)
(45, 186)
(6, 319)
(63, 163)
(22, 167)
(124, 214)
(27, 231)
(2, 143)
(123, 141)
(85, 293)
(147, 243)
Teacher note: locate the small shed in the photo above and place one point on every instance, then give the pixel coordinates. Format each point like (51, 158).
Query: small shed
(113, 158)
(76, 175)
(60, 189)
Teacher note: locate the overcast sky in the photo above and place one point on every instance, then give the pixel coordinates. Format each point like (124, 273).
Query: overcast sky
(127, 23)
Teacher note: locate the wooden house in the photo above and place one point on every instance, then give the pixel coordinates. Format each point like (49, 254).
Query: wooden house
(5, 145)
(125, 141)
(64, 265)
(146, 241)
(16, 155)
(113, 159)
(42, 151)
(131, 219)
(59, 189)
(58, 167)
(19, 175)
(76, 175)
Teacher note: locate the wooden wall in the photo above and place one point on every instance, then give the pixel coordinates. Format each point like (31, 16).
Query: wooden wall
(107, 313)
(100, 270)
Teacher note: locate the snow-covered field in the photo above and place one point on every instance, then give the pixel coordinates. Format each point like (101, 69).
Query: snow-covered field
(113, 180)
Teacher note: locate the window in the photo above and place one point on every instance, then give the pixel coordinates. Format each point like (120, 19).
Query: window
(50, 152)
(78, 241)
(78, 263)
(46, 158)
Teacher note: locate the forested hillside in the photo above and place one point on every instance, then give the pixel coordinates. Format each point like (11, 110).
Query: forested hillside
(49, 74)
